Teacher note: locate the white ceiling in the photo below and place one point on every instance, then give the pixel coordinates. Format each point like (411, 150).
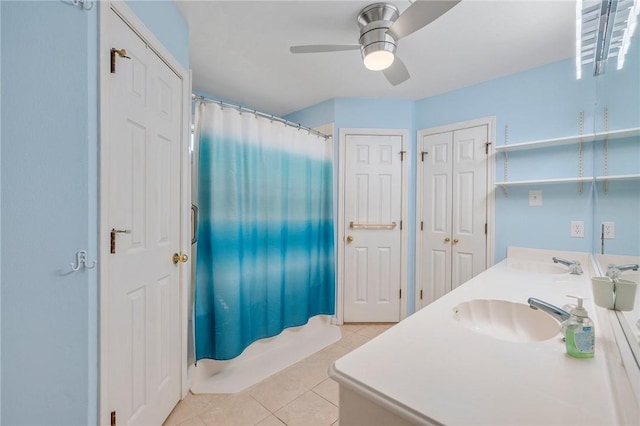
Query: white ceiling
(240, 49)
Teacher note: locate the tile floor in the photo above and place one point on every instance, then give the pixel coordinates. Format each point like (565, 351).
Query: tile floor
(301, 395)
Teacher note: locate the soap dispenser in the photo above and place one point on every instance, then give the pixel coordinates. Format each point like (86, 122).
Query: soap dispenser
(580, 335)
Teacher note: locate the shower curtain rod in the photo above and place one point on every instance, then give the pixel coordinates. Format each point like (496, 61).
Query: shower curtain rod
(271, 117)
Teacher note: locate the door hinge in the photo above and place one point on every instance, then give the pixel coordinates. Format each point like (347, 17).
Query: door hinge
(486, 147)
(421, 225)
(402, 153)
(485, 229)
(401, 225)
(400, 293)
(113, 418)
(120, 52)
(423, 153)
(420, 294)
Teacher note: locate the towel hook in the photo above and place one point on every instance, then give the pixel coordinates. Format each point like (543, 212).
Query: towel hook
(81, 261)
(83, 4)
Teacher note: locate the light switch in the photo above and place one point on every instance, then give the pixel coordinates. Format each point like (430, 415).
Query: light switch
(535, 197)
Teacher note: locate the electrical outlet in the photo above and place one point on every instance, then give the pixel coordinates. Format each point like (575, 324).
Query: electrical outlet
(535, 198)
(577, 229)
(609, 230)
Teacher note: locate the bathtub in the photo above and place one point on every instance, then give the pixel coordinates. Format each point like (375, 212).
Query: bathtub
(263, 358)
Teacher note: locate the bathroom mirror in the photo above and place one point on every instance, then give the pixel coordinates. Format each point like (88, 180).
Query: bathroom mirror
(616, 171)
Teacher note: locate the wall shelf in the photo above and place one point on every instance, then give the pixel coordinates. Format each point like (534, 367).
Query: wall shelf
(618, 177)
(568, 140)
(545, 181)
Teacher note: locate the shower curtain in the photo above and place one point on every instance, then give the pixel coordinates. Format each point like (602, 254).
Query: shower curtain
(265, 230)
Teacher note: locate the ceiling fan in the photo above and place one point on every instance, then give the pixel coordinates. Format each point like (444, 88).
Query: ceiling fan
(381, 26)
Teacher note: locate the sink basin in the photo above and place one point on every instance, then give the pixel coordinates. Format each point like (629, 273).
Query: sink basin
(503, 320)
(537, 267)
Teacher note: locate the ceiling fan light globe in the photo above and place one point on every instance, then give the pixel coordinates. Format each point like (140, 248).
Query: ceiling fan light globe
(378, 60)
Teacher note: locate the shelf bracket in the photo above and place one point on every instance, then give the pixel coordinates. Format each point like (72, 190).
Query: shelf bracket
(580, 151)
(506, 159)
(605, 182)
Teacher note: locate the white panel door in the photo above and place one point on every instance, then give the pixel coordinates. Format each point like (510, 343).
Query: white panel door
(144, 340)
(372, 214)
(437, 188)
(452, 208)
(469, 207)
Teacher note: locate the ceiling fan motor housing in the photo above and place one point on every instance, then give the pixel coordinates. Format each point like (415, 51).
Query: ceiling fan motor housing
(374, 21)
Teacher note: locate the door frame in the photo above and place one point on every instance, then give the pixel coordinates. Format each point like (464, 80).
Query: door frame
(490, 122)
(127, 15)
(341, 232)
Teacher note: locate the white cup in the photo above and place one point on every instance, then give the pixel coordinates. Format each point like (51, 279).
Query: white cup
(603, 292)
(625, 295)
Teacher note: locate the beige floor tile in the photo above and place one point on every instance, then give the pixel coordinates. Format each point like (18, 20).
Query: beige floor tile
(352, 341)
(278, 390)
(271, 421)
(329, 390)
(275, 393)
(350, 328)
(372, 331)
(194, 421)
(238, 410)
(189, 407)
(310, 372)
(333, 352)
(308, 410)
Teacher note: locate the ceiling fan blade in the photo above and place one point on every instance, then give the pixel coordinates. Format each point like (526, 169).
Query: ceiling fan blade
(397, 72)
(418, 15)
(318, 48)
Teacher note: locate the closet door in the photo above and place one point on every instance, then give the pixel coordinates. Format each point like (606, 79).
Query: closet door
(452, 209)
(437, 188)
(469, 208)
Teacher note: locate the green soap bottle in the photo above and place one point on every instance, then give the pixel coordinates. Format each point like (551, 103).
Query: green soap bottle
(580, 334)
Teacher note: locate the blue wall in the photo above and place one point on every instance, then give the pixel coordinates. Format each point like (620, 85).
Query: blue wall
(540, 103)
(49, 133)
(544, 103)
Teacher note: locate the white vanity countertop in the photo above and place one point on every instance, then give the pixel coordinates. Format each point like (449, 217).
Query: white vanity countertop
(431, 369)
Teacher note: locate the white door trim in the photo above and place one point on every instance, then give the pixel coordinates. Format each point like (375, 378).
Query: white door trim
(121, 9)
(404, 134)
(491, 123)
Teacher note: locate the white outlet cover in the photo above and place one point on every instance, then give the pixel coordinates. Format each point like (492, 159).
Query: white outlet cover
(608, 230)
(577, 229)
(535, 197)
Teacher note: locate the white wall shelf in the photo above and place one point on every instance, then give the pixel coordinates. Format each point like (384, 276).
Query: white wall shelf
(568, 140)
(545, 181)
(618, 177)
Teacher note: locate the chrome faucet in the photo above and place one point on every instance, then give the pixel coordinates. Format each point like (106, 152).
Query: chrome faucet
(574, 265)
(614, 271)
(559, 314)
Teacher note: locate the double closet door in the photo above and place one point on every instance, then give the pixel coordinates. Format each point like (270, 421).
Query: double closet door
(451, 210)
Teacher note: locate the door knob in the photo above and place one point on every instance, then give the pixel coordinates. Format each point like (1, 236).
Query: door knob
(349, 239)
(179, 258)
(446, 240)
(456, 241)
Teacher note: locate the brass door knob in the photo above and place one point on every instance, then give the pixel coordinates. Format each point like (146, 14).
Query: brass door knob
(179, 258)
(349, 239)
(456, 241)
(446, 240)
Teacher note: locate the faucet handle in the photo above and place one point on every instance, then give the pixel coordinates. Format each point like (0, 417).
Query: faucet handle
(575, 268)
(613, 272)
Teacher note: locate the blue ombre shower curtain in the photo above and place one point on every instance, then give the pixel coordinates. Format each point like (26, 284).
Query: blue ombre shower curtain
(265, 230)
